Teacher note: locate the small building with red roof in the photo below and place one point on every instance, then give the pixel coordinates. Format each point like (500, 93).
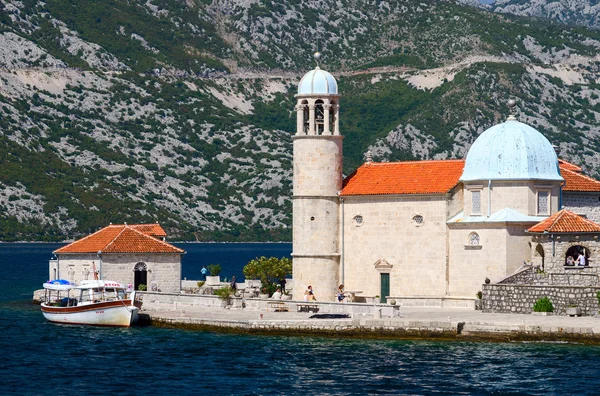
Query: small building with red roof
(135, 254)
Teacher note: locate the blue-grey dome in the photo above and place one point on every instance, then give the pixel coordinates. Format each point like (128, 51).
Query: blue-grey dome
(317, 82)
(511, 151)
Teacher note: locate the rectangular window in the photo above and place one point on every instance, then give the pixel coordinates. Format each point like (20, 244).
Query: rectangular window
(476, 202)
(543, 202)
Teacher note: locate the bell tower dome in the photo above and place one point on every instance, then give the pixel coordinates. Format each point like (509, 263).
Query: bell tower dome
(317, 181)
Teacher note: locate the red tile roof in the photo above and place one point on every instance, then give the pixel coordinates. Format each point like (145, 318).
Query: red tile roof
(154, 230)
(410, 177)
(576, 182)
(565, 221)
(567, 165)
(121, 239)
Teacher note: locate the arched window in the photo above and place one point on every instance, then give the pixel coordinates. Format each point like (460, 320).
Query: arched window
(140, 275)
(319, 117)
(577, 255)
(474, 239)
(305, 116)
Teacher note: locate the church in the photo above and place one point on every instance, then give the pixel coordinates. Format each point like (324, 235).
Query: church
(431, 232)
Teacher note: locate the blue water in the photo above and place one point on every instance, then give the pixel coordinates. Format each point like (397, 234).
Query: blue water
(40, 358)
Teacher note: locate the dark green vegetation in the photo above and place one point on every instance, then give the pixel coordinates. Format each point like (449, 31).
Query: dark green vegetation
(183, 112)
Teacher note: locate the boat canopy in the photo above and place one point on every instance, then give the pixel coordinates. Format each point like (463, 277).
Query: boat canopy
(93, 284)
(58, 284)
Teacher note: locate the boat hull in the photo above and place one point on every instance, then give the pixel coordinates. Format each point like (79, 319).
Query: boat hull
(110, 313)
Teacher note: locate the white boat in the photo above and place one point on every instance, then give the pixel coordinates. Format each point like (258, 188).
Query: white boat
(92, 302)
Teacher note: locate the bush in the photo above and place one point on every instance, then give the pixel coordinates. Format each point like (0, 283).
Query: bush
(224, 293)
(543, 305)
(142, 287)
(214, 269)
(200, 283)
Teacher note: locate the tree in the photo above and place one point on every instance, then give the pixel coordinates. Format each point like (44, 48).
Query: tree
(268, 270)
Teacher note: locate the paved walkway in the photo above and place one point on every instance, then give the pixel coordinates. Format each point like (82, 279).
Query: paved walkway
(411, 322)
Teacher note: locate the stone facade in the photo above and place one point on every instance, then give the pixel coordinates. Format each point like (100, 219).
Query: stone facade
(379, 236)
(587, 204)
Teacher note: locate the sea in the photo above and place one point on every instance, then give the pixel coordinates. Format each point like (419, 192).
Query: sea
(41, 358)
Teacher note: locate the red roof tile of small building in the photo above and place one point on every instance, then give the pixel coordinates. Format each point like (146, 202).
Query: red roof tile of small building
(120, 239)
(565, 221)
(154, 230)
(410, 177)
(576, 182)
(562, 164)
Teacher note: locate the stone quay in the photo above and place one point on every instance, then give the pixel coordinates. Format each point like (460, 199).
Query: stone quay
(359, 320)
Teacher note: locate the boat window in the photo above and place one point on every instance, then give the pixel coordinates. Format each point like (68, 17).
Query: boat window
(121, 294)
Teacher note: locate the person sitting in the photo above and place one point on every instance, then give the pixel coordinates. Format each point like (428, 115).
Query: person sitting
(277, 294)
(340, 293)
(581, 260)
(570, 261)
(306, 293)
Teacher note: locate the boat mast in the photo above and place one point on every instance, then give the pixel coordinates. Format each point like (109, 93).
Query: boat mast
(100, 264)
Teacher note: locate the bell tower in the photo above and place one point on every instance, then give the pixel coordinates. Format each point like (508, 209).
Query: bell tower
(317, 181)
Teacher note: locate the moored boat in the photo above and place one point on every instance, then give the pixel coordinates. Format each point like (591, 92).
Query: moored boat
(92, 302)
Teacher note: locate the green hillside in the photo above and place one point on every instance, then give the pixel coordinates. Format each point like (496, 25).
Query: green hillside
(183, 112)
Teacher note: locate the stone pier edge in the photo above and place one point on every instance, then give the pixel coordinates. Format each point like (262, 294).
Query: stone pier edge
(384, 329)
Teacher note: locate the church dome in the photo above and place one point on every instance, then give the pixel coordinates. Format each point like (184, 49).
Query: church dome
(511, 151)
(317, 81)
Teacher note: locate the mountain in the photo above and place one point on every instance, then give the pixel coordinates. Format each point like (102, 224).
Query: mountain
(182, 112)
(570, 12)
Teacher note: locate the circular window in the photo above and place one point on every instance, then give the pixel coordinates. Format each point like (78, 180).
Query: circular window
(358, 220)
(474, 239)
(418, 220)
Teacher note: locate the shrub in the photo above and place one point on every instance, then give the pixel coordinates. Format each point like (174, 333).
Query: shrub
(598, 296)
(214, 269)
(543, 305)
(479, 294)
(142, 287)
(224, 293)
(200, 283)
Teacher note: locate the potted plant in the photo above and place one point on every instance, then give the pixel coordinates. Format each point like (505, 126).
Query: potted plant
(543, 306)
(225, 294)
(142, 287)
(214, 270)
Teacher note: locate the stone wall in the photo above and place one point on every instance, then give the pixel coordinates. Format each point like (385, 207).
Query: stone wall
(583, 203)
(512, 298)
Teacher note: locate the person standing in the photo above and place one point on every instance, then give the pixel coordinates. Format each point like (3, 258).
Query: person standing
(233, 284)
(581, 260)
(282, 283)
(203, 273)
